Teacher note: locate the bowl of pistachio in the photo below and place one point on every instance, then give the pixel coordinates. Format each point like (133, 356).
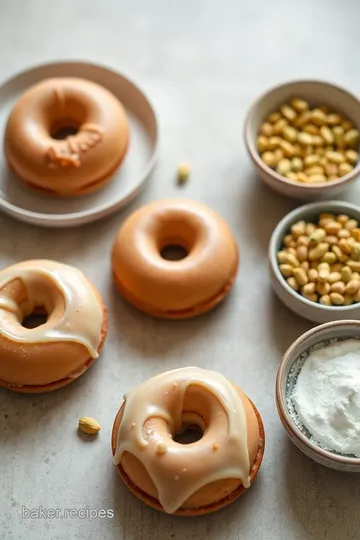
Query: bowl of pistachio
(303, 138)
(314, 256)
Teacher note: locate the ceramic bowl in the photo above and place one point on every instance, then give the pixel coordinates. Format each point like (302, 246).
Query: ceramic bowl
(316, 93)
(285, 382)
(293, 300)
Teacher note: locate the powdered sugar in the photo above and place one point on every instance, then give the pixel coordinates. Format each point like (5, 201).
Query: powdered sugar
(323, 395)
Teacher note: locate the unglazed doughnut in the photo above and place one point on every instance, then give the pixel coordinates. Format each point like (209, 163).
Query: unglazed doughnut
(80, 162)
(195, 478)
(174, 289)
(55, 353)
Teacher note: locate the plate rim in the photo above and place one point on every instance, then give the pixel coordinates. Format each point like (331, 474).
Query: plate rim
(83, 217)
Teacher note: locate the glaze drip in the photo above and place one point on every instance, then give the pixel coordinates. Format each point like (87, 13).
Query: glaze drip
(155, 410)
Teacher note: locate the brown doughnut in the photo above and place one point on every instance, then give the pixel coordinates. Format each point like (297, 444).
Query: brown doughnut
(80, 162)
(57, 352)
(174, 289)
(203, 472)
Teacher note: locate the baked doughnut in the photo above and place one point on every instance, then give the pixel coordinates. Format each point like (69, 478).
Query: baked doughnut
(196, 478)
(55, 353)
(167, 288)
(40, 153)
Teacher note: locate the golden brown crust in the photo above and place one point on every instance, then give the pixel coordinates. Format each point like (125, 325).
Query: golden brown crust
(217, 494)
(39, 389)
(186, 313)
(93, 186)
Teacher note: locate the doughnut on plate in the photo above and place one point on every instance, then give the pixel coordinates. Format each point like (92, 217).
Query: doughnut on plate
(31, 206)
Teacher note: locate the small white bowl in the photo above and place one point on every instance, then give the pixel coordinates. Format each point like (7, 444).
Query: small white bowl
(316, 93)
(284, 385)
(293, 300)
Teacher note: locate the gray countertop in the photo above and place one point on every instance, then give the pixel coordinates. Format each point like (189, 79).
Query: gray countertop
(202, 63)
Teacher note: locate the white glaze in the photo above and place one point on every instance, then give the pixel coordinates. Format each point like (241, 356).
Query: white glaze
(208, 460)
(82, 319)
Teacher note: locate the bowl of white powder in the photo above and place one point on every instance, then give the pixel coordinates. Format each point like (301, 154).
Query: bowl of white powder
(318, 394)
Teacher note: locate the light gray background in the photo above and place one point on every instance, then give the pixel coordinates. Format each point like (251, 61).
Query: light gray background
(202, 63)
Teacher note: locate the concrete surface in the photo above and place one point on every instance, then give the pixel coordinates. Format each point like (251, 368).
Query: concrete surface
(202, 63)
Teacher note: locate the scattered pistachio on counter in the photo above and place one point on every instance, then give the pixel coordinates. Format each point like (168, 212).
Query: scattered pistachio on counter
(183, 173)
(89, 425)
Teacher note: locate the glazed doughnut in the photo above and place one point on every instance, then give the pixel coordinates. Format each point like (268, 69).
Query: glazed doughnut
(196, 478)
(78, 163)
(55, 353)
(174, 289)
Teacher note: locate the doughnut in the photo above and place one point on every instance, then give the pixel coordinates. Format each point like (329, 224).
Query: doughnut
(195, 478)
(66, 136)
(57, 352)
(167, 288)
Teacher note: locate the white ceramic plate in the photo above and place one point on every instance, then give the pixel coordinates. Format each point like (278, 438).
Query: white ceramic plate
(27, 205)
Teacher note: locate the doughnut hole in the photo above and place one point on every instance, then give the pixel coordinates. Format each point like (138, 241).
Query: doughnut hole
(37, 318)
(192, 429)
(176, 236)
(32, 306)
(173, 252)
(197, 410)
(64, 128)
(64, 117)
